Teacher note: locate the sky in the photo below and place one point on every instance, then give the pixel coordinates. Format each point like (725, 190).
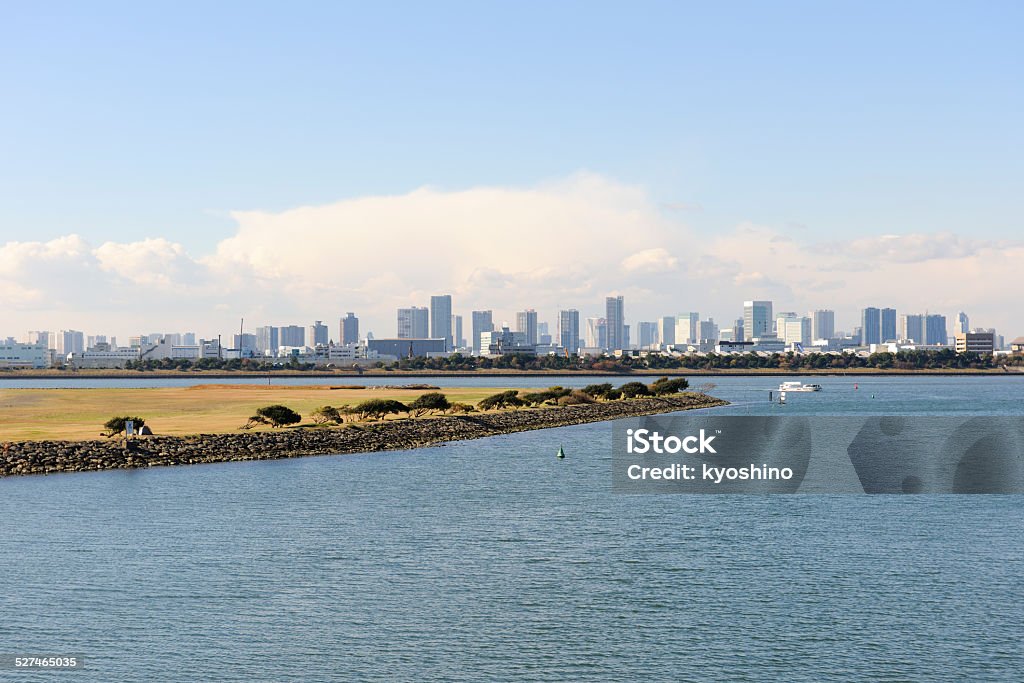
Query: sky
(173, 167)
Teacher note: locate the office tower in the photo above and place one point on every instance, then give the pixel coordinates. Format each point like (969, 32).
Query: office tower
(483, 321)
(737, 330)
(267, 340)
(413, 323)
(292, 335)
(173, 338)
(870, 326)
(667, 331)
(457, 332)
(70, 341)
(935, 329)
(596, 333)
(757, 319)
(707, 330)
(626, 343)
(569, 330)
(187, 339)
(888, 325)
(963, 324)
(794, 329)
(912, 328)
(526, 322)
(823, 324)
(647, 334)
(687, 328)
(318, 334)
(349, 329)
(615, 321)
(246, 343)
(441, 319)
(542, 329)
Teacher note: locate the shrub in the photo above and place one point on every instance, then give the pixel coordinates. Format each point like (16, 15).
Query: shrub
(115, 425)
(503, 400)
(576, 398)
(462, 408)
(277, 416)
(613, 395)
(634, 389)
(597, 390)
(433, 400)
(379, 408)
(664, 386)
(325, 414)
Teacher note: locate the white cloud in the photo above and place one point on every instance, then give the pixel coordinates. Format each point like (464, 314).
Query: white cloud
(560, 244)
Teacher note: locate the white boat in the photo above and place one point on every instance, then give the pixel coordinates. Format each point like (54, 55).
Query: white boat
(798, 386)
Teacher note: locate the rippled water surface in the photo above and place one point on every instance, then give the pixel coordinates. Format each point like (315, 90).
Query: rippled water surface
(493, 560)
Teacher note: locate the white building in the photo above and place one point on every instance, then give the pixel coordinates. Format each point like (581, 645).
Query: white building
(34, 356)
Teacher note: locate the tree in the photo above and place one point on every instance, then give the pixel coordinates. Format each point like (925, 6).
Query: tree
(503, 400)
(115, 425)
(598, 390)
(276, 416)
(325, 414)
(433, 400)
(379, 408)
(634, 389)
(664, 386)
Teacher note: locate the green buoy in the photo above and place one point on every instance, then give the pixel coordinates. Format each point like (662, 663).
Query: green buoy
(561, 453)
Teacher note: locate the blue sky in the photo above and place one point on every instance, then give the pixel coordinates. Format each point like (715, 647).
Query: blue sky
(123, 120)
(823, 121)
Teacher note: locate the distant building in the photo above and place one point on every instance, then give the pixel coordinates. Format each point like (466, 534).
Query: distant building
(483, 321)
(267, 341)
(738, 332)
(569, 330)
(615, 317)
(911, 328)
(687, 328)
(935, 329)
(407, 348)
(441, 318)
(978, 342)
(318, 334)
(794, 329)
(459, 342)
(963, 324)
(504, 341)
(870, 326)
(526, 322)
(647, 334)
(70, 341)
(1017, 345)
(823, 324)
(413, 323)
(757, 319)
(292, 335)
(667, 331)
(707, 330)
(35, 356)
(596, 333)
(245, 343)
(349, 329)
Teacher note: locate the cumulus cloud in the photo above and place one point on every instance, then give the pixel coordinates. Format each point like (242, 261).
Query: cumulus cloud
(566, 243)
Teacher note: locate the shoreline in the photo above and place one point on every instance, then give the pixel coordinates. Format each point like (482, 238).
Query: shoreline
(52, 457)
(16, 375)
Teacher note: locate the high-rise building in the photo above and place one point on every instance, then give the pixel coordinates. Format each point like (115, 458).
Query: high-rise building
(887, 324)
(483, 321)
(757, 319)
(526, 322)
(187, 339)
(596, 333)
(267, 341)
(246, 344)
(667, 332)
(823, 324)
(413, 323)
(569, 330)
(349, 329)
(292, 335)
(687, 328)
(707, 330)
(911, 328)
(963, 323)
(615, 317)
(870, 326)
(459, 342)
(318, 334)
(794, 329)
(70, 341)
(647, 334)
(737, 330)
(441, 319)
(935, 329)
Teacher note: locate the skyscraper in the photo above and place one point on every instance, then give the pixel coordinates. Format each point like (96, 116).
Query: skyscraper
(70, 341)
(441, 319)
(597, 333)
(526, 322)
(318, 334)
(737, 330)
(292, 335)
(823, 324)
(615, 317)
(483, 321)
(757, 319)
(667, 335)
(870, 326)
(687, 328)
(888, 325)
(349, 329)
(569, 330)
(935, 329)
(647, 334)
(266, 341)
(912, 328)
(413, 323)
(963, 324)
(459, 342)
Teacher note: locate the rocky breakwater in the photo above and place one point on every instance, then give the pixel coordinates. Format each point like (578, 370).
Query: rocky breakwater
(42, 457)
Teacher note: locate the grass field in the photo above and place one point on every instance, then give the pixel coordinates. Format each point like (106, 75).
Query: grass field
(78, 414)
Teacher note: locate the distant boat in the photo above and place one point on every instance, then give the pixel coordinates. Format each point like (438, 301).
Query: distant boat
(561, 454)
(798, 386)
